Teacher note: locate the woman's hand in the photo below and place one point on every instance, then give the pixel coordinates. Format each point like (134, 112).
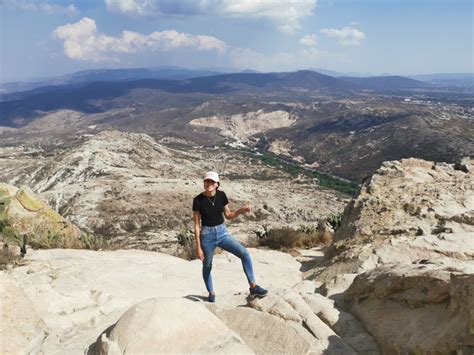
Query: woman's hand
(247, 208)
(200, 253)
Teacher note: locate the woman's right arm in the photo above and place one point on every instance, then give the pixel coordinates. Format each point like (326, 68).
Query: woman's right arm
(197, 234)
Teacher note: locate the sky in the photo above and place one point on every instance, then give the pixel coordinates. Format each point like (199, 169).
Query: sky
(46, 38)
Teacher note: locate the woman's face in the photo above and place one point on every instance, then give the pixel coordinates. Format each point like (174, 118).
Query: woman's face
(210, 185)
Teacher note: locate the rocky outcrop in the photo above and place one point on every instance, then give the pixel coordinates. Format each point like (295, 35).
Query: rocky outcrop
(29, 220)
(289, 320)
(331, 330)
(426, 307)
(411, 197)
(170, 326)
(403, 257)
(243, 126)
(409, 211)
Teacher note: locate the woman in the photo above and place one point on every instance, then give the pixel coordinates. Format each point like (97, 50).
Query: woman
(208, 208)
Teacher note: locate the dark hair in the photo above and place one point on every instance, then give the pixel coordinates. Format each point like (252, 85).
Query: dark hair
(218, 185)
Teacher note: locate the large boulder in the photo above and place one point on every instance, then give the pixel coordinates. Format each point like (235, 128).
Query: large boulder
(30, 220)
(265, 333)
(171, 326)
(413, 308)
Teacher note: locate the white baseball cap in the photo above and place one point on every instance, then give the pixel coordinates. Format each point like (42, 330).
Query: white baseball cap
(212, 175)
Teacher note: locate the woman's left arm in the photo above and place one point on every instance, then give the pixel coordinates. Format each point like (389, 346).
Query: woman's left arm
(232, 214)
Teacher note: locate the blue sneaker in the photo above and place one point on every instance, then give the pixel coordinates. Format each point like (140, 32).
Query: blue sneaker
(211, 298)
(258, 292)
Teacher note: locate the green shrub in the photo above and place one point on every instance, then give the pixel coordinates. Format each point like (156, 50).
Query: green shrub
(308, 229)
(334, 220)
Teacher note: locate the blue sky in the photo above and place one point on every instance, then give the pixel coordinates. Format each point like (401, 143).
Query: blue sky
(50, 37)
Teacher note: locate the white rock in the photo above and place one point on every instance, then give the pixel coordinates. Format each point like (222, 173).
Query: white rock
(22, 331)
(170, 325)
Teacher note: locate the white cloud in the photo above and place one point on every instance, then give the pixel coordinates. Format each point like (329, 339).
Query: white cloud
(50, 9)
(83, 42)
(131, 7)
(285, 14)
(346, 36)
(309, 40)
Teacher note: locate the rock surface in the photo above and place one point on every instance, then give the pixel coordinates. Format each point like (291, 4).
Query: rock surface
(424, 307)
(409, 236)
(21, 328)
(80, 293)
(170, 326)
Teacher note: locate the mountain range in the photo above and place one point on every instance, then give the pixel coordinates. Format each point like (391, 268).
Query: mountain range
(80, 95)
(345, 126)
(178, 73)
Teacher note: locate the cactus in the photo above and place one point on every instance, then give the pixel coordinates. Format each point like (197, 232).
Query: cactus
(334, 220)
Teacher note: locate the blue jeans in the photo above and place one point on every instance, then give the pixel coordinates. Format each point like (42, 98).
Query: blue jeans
(217, 236)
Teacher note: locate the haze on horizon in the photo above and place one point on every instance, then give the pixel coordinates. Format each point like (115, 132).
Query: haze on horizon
(52, 37)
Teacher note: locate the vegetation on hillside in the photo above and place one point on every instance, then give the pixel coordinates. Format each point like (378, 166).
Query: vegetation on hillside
(325, 180)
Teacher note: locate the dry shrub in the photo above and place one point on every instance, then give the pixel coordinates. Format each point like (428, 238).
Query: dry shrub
(9, 256)
(288, 238)
(187, 245)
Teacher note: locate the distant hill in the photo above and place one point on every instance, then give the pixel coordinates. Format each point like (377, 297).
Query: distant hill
(85, 76)
(386, 82)
(310, 80)
(93, 97)
(338, 74)
(447, 79)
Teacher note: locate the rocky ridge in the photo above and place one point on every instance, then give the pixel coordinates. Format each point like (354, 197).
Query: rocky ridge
(404, 254)
(138, 191)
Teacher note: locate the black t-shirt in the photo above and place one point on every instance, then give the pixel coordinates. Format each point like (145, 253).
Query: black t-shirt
(211, 208)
